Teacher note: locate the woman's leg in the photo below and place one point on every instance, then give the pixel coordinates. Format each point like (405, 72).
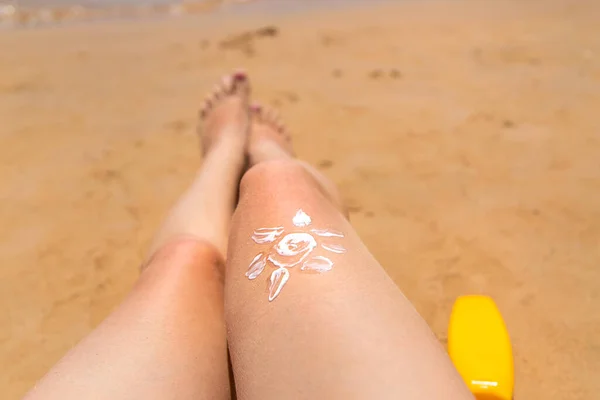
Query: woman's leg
(167, 339)
(337, 326)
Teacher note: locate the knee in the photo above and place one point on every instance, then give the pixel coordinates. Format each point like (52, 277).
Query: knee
(187, 252)
(275, 178)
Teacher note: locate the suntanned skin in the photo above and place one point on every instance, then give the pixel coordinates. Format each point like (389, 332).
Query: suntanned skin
(348, 333)
(167, 339)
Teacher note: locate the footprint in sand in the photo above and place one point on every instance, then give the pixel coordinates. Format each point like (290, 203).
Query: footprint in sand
(245, 41)
(381, 73)
(325, 164)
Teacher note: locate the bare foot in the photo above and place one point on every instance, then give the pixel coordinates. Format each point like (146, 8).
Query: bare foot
(224, 114)
(269, 139)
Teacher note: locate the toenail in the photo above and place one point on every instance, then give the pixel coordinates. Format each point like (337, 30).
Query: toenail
(239, 76)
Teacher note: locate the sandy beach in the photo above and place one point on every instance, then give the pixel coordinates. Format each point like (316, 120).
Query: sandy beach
(464, 136)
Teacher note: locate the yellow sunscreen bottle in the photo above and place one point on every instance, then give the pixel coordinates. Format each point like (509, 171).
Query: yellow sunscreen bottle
(479, 346)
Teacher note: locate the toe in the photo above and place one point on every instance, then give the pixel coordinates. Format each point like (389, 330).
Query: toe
(240, 84)
(206, 106)
(257, 112)
(227, 84)
(217, 92)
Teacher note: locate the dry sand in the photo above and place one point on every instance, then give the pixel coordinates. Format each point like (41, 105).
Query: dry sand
(465, 137)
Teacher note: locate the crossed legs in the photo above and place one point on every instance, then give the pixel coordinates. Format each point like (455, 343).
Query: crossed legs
(346, 332)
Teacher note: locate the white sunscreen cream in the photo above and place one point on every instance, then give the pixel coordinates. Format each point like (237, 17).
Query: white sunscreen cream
(291, 249)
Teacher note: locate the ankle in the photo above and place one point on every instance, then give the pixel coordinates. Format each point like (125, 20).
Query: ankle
(227, 146)
(266, 150)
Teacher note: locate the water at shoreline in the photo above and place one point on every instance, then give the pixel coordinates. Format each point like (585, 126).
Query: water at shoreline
(35, 13)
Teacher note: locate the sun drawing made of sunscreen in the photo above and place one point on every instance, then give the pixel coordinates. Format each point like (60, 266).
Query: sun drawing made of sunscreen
(290, 249)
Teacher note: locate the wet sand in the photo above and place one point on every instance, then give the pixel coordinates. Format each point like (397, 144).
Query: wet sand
(464, 136)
